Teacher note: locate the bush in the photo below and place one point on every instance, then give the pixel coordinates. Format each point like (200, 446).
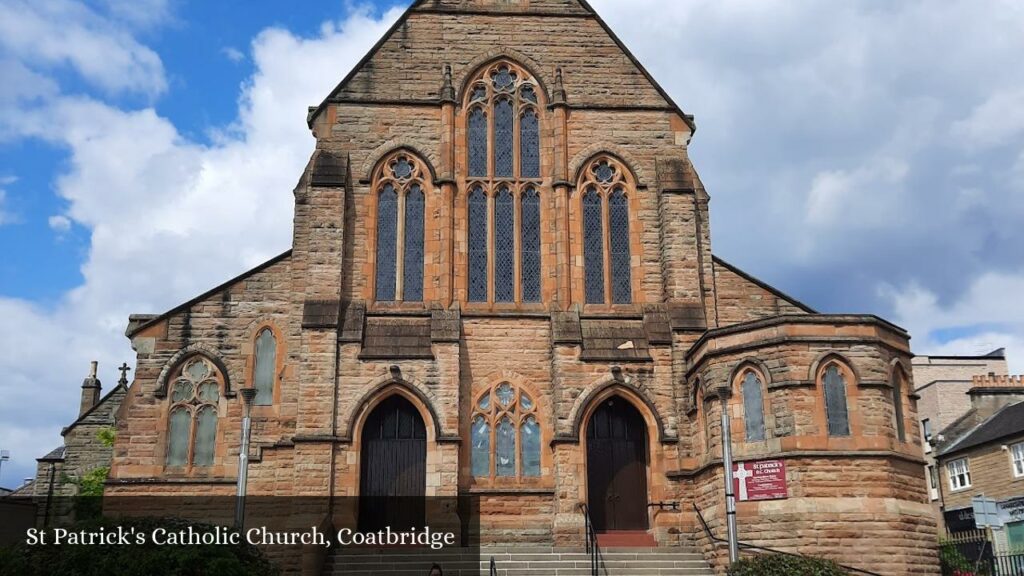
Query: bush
(782, 565)
(135, 560)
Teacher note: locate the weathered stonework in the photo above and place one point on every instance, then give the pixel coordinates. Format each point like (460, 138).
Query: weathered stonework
(692, 322)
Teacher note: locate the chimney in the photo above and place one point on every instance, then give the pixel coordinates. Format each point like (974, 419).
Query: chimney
(990, 394)
(90, 391)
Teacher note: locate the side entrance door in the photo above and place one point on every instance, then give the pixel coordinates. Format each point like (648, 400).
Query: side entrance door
(617, 467)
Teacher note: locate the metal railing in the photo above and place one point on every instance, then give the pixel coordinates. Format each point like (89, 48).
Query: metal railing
(753, 548)
(494, 567)
(593, 548)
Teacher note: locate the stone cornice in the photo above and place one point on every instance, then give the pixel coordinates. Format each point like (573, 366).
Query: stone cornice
(717, 462)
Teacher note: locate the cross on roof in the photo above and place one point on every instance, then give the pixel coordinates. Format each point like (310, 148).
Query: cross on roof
(124, 373)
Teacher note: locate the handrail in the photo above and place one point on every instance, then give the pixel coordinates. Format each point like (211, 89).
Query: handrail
(746, 546)
(593, 549)
(494, 567)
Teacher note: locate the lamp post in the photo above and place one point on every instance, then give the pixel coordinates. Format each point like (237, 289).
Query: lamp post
(243, 456)
(730, 495)
(5, 455)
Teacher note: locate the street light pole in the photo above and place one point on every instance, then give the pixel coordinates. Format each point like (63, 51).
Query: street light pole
(243, 456)
(730, 495)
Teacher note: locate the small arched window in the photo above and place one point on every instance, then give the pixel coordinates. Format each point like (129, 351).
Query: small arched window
(265, 370)
(836, 407)
(898, 384)
(607, 262)
(400, 183)
(752, 388)
(192, 420)
(505, 434)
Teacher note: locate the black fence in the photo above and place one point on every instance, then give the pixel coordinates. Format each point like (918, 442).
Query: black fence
(972, 553)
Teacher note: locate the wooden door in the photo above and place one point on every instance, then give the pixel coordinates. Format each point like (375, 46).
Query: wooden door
(617, 467)
(393, 474)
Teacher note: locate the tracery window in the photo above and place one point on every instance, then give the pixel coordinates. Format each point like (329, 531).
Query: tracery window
(752, 388)
(265, 369)
(400, 184)
(505, 434)
(607, 264)
(192, 421)
(503, 204)
(837, 411)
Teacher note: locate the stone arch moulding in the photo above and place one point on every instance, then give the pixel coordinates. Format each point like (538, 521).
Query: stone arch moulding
(612, 386)
(824, 358)
(491, 56)
(374, 158)
(185, 353)
(757, 365)
(382, 389)
(585, 156)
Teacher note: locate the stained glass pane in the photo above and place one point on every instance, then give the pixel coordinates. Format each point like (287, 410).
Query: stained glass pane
(477, 246)
(481, 454)
(182, 391)
(209, 391)
(504, 78)
(753, 407)
(197, 371)
(835, 402)
(530, 438)
(479, 93)
(266, 367)
(387, 243)
(503, 138)
(530, 246)
(402, 168)
(618, 224)
(412, 263)
(177, 437)
(525, 401)
(505, 453)
(504, 247)
(593, 247)
(529, 145)
(206, 436)
(604, 172)
(505, 393)
(897, 402)
(529, 94)
(485, 402)
(477, 142)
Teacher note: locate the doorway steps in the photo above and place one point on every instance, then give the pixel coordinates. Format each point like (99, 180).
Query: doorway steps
(525, 560)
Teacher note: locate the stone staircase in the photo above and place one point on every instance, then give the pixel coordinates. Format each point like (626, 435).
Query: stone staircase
(520, 561)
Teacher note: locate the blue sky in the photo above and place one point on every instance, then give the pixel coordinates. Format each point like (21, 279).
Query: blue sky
(863, 157)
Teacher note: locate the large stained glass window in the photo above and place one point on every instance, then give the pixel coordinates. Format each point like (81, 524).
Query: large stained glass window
(477, 245)
(400, 182)
(193, 412)
(607, 239)
(530, 243)
(505, 433)
(504, 246)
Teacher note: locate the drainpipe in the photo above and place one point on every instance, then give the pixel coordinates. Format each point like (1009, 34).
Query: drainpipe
(730, 496)
(243, 457)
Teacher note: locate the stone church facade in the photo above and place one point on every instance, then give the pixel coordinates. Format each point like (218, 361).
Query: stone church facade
(502, 263)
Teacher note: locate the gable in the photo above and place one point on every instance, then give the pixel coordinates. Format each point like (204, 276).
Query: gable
(407, 64)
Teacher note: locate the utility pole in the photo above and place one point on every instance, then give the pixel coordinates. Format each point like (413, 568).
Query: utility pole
(730, 496)
(248, 394)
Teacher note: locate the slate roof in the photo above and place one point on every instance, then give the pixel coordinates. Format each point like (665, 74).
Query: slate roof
(55, 455)
(1007, 422)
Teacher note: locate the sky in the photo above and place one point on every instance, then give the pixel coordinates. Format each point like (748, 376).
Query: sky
(862, 156)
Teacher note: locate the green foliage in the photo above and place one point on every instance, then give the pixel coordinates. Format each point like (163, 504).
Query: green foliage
(106, 436)
(92, 483)
(954, 562)
(135, 559)
(782, 565)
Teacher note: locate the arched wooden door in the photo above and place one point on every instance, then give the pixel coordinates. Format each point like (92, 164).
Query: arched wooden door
(617, 467)
(393, 472)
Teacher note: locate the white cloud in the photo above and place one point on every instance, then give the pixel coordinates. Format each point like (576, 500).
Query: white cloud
(5, 216)
(233, 54)
(994, 122)
(59, 224)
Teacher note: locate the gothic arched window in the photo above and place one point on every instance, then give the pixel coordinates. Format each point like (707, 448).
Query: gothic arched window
(752, 389)
(400, 186)
(505, 434)
(898, 379)
(265, 369)
(607, 263)
(504, 164)
(837, 412)
(192, 420)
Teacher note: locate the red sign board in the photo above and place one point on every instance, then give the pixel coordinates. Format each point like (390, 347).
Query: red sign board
(761, 480)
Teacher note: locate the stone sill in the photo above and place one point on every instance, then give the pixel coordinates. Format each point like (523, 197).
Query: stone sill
(509, 491)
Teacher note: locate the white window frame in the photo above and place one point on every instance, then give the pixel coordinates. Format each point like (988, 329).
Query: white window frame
(1017, 459)
(956, 469)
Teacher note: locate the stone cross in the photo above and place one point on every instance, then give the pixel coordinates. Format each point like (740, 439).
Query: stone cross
(124, 373)
(741, 475)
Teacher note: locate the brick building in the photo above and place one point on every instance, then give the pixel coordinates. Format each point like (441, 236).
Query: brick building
(502, 284)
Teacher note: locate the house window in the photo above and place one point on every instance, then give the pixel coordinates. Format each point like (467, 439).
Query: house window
(959, 474)
(505, 434)
(192, 420)
(933, 482)
(1017, 454)
(399, 183)
(265, 371)
(836, 409)
(503, 205)
(753, 406)
(607, 262)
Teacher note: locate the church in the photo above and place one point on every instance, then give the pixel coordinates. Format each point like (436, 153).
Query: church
(502, 285)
